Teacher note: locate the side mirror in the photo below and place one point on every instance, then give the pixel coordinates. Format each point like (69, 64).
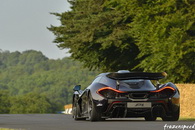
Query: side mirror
(77, 88)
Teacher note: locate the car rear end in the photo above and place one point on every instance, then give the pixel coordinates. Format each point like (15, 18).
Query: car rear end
(139, 98)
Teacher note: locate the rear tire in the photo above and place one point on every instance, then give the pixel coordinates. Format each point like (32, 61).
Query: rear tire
(92, 112)
(174, 117)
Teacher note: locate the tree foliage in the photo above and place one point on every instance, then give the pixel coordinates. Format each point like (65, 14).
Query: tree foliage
(139, 35)
(32, 83)
(165, 33)
(30, 103)
(4, 101)
(97, 35)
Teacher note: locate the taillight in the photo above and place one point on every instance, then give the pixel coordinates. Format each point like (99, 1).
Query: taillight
(164, 92)
(109, 92)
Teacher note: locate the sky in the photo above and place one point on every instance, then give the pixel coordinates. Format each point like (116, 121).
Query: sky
(23, 26)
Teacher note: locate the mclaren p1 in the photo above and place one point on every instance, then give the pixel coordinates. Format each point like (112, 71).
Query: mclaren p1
(126, 94)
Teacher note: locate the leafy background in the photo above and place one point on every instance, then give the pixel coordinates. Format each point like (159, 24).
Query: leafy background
(32, 83)
(137, 35)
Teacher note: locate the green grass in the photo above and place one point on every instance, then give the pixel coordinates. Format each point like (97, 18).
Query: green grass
(186, 119)
(5, 129)
(182, 118)
(9, 129)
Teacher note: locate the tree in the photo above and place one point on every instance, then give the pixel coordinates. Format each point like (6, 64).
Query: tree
(30, 57)
(30, 103)
(4, 102)
(96, 34)
(146, 35)
(165, 33)
(32, 80)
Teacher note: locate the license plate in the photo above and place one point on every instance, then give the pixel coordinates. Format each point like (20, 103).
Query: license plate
(139, 105)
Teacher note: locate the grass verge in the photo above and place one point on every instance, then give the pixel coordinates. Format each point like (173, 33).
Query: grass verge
(186, 119)
(9, 129)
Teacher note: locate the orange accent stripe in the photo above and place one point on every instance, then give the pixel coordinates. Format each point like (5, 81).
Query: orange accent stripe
(109, 88)
(167, 87)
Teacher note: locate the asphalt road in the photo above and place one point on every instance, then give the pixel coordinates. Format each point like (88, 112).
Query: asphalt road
(65, 122)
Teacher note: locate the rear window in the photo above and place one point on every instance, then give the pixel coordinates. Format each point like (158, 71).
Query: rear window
(137, 83)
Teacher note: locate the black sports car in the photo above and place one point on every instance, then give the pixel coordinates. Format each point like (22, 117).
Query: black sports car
(125, 94)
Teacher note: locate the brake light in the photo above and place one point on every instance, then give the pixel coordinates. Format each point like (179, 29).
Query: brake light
(109, 88)
(167, 87)
(164, 92)
(109, 92)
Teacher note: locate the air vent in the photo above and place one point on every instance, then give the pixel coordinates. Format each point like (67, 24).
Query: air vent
(138, 95)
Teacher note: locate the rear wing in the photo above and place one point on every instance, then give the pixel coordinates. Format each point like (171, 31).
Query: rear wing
(136, 75)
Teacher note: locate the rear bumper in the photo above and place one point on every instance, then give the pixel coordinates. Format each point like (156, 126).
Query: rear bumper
(118, 108)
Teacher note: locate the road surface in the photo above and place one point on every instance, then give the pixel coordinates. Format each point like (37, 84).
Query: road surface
(65, 122)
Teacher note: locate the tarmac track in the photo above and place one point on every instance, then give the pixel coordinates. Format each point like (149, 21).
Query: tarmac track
(65, 122)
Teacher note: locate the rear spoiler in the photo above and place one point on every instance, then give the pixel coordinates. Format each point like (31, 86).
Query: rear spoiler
(136, 75)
